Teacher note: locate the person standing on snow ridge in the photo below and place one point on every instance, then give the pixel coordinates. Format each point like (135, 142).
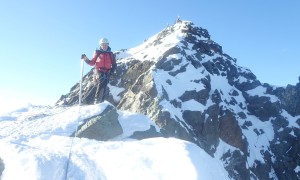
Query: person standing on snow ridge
(105, 64)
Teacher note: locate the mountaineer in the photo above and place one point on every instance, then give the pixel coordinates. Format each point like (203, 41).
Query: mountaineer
(105, 64)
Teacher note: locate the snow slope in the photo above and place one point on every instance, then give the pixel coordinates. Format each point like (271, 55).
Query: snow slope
(35, 144)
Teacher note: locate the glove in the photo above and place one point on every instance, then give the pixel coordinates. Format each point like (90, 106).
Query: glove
(83, 56)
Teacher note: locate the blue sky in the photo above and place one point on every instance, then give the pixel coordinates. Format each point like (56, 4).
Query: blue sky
(41, 41)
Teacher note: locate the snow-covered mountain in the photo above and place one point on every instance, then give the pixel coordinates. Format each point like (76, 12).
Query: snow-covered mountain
(186, 88)
(184, 82)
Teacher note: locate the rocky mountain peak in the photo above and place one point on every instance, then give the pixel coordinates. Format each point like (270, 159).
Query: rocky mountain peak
(179, 32)
(184, 82)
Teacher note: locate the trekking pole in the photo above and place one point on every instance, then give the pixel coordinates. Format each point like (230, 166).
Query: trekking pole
(80, 90)
(80, 96)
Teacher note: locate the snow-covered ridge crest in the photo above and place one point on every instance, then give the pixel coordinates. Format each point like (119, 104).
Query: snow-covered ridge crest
(159, 43)
(36, 145)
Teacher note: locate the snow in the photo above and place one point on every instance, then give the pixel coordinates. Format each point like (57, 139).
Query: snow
(258, 143)
(115, 91)
(261, 91)
(153, 47)
(192, 105)
(35, 144)
(297, 169)
(222, 149)
(292, 120)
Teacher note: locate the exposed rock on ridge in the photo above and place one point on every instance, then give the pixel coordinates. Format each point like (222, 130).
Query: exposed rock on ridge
(1, 167)
(102, 127)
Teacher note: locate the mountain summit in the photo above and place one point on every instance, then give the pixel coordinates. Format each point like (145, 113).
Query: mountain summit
(184, 82)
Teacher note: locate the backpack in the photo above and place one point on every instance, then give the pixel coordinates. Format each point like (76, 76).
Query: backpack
(105, 61)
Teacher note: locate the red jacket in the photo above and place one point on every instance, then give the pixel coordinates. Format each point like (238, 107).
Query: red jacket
(99, 59)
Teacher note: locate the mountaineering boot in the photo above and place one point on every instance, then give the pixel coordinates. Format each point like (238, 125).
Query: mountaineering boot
(96, 101)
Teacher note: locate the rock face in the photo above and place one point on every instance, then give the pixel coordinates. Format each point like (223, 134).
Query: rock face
(1, 167)
(102, 127)
(289, 97)
(185, 83)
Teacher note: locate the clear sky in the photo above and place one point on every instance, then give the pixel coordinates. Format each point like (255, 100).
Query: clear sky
(41, 41)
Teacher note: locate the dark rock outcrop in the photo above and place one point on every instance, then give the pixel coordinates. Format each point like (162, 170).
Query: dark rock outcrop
(1, 167)
(289, 97)
(150, 133)
(102, 127)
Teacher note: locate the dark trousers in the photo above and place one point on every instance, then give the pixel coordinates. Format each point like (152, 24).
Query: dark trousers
(101, 84)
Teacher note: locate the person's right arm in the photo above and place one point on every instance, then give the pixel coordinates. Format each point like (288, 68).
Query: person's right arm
(92, 61)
